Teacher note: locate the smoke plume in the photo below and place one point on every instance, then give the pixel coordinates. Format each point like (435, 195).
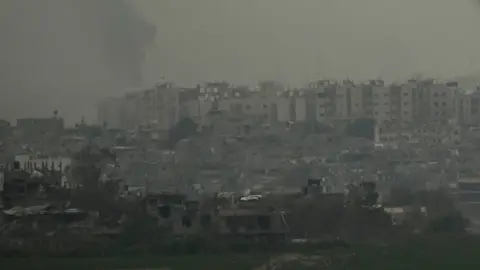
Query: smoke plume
(66, 54)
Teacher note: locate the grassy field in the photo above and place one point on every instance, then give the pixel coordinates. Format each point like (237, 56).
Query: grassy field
(184, 262)
(438, 254)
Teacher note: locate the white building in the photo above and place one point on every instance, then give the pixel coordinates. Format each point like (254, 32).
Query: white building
(30, 161)
(442, 102)
(381, 103)
(342, 100)
(408, 103)
(158, 107)
(324, 100)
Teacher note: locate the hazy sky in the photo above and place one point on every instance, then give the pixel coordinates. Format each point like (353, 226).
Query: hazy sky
(64, 55)
(300, 40)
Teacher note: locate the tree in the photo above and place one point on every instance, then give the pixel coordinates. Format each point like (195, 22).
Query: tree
(183, 129)
(438, 203)
(452, 223)
(400, 196)
(363, 195)
(362, 128)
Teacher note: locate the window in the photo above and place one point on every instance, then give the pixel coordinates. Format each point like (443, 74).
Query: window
(435, 104)
(405, 93)
(444, 104)
(248, 107)
(405, 103)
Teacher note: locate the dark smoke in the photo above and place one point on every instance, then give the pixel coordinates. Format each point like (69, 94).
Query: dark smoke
(125, 34)
(66, 54)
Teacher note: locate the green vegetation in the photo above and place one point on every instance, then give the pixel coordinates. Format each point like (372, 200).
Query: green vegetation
(183, 129)
(439, 253)
(184, 262)
(420, 252)
(362, 128)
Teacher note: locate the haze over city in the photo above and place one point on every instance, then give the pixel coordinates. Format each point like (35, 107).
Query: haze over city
(65, 55)
(239, 134)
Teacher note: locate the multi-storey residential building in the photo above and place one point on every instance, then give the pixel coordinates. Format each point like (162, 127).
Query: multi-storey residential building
(158, 107)
(162, 106)
(408, 103)
(300, 107)
(132, 109)
(428, 134)
(331, 100)
(355, 101)
(34, 127)
(468, 107)
(291, 106)
(464, 109)
(367, 99)
(190, 104)
(322, 101)
(442, 101)
(395, 104)
(322, 106)
(381, 101)
(342, 99)
(282, 106)
(348, 100)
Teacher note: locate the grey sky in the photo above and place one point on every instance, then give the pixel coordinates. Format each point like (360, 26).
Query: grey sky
(58, 57)
(299, 40)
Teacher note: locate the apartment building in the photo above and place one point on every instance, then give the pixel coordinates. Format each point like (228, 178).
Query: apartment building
(132, 110)
(415, 101)
(161, 106)
(322, 105)
(442, 102)
(408, 103)
(189, 103)
(269, 104)
(342, 104)
(381, 100)
(424, 134)
(158, 107)
(355, 101)
(348, 100)
(345, 100)
(468, 107)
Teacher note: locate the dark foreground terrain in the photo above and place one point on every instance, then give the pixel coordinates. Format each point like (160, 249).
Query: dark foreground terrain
(442, 253)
